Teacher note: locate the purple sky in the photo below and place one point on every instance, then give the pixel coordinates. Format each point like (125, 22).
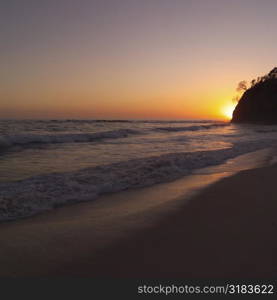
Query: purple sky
(141, 59)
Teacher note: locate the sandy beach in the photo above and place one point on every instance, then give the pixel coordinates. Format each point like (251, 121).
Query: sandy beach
(228, 230)
(138, 140)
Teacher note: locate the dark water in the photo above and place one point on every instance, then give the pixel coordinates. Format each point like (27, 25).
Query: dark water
(49, 163)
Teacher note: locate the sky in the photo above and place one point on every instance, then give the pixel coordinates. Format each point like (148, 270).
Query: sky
(131, 59)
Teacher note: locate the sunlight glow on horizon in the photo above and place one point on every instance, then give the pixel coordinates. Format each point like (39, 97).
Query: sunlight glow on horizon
(227, 110)
(107, 59)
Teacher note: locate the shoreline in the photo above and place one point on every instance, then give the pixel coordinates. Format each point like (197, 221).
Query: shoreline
(218, 233)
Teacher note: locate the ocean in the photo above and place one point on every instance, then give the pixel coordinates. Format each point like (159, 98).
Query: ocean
(48, 163)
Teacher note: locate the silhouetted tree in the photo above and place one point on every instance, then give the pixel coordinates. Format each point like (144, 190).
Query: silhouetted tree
(253, 82)
(273, 73)
(242, 86)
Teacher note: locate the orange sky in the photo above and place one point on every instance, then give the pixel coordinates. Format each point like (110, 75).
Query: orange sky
(131, 59)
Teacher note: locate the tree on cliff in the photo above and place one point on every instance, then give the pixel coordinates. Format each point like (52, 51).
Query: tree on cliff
(242, 86)
(258, 103)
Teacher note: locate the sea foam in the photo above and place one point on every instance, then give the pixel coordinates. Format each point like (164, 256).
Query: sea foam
(39, 193)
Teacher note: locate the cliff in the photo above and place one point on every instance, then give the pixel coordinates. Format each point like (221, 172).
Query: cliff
(258, 104)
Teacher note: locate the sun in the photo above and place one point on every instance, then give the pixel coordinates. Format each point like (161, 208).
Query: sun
(228, 109)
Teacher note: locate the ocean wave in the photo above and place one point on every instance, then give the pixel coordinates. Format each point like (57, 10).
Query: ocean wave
(127, 121)
(29, 139)
(39, 193)
(192, 128)
(31, 121)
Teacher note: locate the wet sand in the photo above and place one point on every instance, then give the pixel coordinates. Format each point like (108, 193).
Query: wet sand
(226, 231)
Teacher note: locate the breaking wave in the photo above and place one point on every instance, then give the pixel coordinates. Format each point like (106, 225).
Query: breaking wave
(29, 139)
(192, 128)
(39, 193)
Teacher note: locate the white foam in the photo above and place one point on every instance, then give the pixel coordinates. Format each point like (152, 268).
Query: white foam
(30, 196)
